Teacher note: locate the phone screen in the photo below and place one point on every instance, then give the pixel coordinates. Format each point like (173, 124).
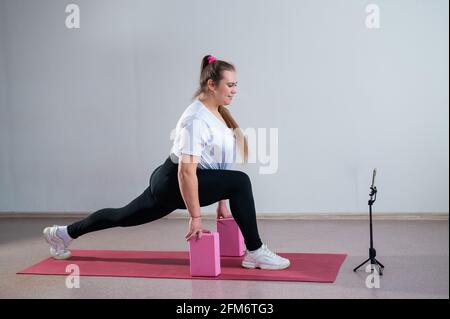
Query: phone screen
(373, 176)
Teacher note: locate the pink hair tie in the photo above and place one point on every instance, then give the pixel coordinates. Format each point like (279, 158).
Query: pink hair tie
(211, 59)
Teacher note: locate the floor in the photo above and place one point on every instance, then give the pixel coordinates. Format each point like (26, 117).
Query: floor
(415, 254)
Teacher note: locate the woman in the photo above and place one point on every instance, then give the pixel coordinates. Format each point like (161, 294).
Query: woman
(197, 173)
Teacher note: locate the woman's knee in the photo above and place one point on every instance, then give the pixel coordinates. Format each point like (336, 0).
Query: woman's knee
(242, 181)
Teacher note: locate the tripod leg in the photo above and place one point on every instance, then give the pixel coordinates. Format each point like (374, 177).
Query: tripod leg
(379, 263)
(380, 267)
(361, 265)
(380, 270)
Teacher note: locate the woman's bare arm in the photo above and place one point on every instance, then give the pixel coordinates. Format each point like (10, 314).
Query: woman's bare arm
(187, 178)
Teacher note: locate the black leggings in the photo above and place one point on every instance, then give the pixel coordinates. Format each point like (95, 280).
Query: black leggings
(163, 196)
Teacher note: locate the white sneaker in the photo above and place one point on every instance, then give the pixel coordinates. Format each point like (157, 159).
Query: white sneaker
(265, 259)
(58, 248)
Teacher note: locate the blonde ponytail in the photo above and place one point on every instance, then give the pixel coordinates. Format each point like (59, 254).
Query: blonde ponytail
(241, 139)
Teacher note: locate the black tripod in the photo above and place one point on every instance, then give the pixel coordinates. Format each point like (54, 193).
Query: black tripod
(372, 251)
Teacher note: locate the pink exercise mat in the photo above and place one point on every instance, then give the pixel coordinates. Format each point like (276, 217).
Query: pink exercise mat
(175, 264)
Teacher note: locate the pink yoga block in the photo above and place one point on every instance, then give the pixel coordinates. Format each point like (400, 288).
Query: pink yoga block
(231, 239)
(204, 255)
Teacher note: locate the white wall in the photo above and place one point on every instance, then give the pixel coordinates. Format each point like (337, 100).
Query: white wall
(85, 115)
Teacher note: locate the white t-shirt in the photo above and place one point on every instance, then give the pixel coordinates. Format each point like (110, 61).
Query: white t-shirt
(199, 132)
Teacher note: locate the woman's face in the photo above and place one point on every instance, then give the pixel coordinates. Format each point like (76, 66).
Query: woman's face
(226, 89)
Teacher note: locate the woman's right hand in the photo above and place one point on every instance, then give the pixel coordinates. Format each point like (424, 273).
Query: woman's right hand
(195, 228)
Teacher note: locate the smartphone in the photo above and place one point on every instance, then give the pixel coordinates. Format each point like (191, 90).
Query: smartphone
(373, 176)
